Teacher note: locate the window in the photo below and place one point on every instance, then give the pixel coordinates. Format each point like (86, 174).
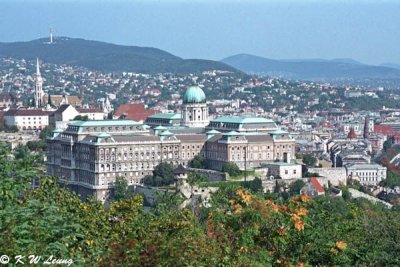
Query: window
(286, 172)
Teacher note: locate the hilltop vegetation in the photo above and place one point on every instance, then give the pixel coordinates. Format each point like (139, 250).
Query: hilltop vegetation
(317, 69)
(107, 57)
(243, 228)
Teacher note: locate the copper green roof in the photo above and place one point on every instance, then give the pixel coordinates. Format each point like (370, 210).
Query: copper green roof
(104, 123)
(103, 135)
(170, 116)
(166, 133)
(213, 132)
(194, 94)
(279, 131)
(231, 133)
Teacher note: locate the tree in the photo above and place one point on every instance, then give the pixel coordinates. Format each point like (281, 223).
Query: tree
(121, 189)
(294, 188)
(196, 178)
(45, 132)
(21, 152)
(387, 144)
(198, 162)
(110, 115)
(231, 168)
(39, 145)
(11, 129)
(392, 180)
(49, 102)
(309, 160)
(254, 185)
(163, 174)
(81, 118)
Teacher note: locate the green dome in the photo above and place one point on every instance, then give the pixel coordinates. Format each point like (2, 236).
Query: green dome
(194, 94)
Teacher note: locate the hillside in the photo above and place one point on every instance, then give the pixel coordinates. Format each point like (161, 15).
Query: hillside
(313, 69)
(107, 57)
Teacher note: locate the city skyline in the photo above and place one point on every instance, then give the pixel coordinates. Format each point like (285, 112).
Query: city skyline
(365, 31)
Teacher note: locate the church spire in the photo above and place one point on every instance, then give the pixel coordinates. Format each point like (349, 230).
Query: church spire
(37, 67)
(38, 86)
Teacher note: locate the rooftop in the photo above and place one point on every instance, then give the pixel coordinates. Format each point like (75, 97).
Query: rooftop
(194, 94)
(317, 185)
(170, 116)
(135, 111)
(364, 166)
(281, 163)
(104, 123)
(242, 119)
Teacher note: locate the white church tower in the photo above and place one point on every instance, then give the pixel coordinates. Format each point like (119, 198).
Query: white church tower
(106, 106)
(38, 86)
(194, 108)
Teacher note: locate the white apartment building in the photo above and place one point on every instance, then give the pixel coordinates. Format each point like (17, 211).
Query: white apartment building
(368, 174)
(26, 119)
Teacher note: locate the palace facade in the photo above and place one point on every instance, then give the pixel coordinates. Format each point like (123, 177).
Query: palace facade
(89, 155)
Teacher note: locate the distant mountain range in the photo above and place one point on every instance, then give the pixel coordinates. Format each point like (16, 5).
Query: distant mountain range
(312, 69)
(107, 57)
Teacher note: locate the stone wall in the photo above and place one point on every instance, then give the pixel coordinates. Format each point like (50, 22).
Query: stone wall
(149, 194)
(356, 194)
(269, 184)
(213, 176)
(335, 176)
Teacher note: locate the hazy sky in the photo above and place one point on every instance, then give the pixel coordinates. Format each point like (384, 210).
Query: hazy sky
(368, 31)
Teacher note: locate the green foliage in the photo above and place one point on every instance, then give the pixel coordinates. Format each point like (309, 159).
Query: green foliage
(294, 188)
(163, 174)
(81, 118)
(21, 152)
(309, 160)
(198, 162)
(110, 115)
(166, 201)
(311, 174)
(195, 178)
(254, 185)
(121, 190)
(39, 145)
(45, 132)
(387, 144)
(9, 129)
(392, 180)
(106, 57)
(231, 168)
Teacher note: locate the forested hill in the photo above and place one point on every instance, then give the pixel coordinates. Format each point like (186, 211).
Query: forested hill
(311, 69)
(107, 57)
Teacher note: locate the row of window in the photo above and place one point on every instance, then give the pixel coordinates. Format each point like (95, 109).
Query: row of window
(136, 148)
(111, 129)
(368, 173)
(33, 118)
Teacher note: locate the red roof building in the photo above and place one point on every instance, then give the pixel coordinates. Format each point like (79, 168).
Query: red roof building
(317, 185)
(352, 134)
(135, 112)
(384, 129)
(312, 188)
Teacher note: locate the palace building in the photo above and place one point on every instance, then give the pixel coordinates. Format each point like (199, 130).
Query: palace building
(89, 155)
